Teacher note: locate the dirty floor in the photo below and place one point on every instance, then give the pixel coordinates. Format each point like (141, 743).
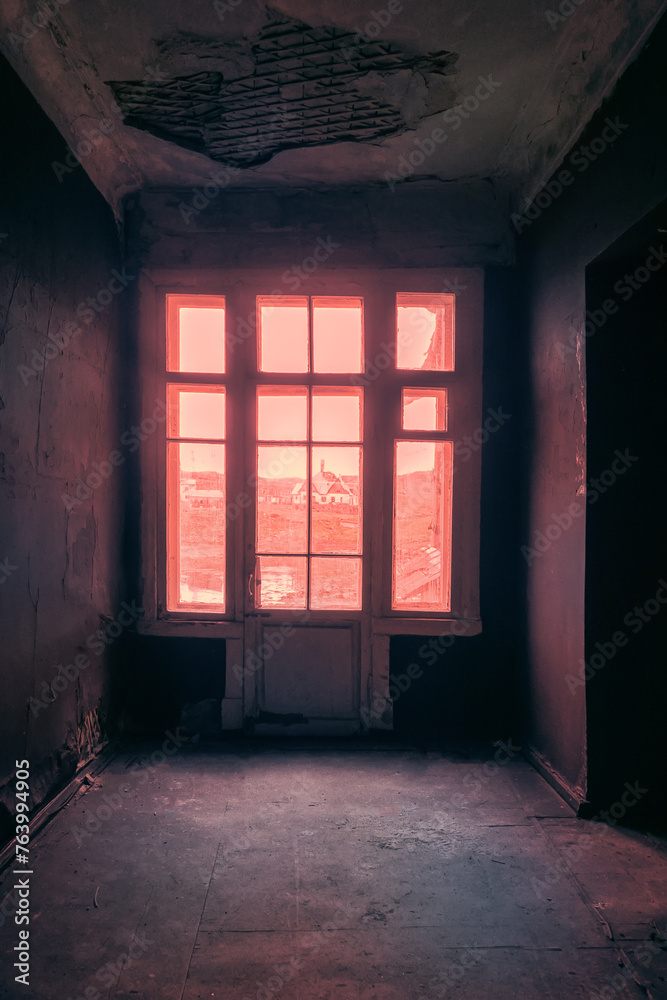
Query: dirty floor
(253, 871)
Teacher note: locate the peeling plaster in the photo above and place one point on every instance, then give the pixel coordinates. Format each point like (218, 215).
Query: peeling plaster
(291, 86)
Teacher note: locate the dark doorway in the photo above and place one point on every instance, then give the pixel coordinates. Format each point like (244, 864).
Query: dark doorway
(626, 536)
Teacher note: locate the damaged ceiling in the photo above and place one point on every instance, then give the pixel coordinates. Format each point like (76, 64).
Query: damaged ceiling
(297, 86)
(156, 95)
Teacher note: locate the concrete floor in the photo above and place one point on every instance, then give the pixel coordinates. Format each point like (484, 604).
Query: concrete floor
(256, 871)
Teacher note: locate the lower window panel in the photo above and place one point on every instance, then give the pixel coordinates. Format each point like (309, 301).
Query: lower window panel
(335, 582)
(196, 526)
(422, 525)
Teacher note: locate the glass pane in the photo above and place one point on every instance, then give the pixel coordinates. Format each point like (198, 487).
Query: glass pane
(283, 333)
(196, 413)
(335, 583)
(281, 582)
(282, 514)
(422, 525)
(425, 332)
(282, 414)
(337, 334)
(196, 525)
(424, 409)
(196, 333)
(336, 500)
(337, 415)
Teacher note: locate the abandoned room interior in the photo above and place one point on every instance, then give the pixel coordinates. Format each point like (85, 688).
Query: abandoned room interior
(333, 573)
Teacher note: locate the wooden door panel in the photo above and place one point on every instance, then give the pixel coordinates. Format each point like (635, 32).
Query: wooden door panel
(314, 674)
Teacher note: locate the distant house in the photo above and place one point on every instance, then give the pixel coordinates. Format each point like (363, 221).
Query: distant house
(203, 489)
(327, 488)
(206, 498)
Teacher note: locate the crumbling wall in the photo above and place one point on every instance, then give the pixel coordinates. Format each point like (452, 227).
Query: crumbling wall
(61, 296)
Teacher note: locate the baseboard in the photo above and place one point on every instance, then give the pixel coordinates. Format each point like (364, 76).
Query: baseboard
(87, 769)
(312, 727)
(574, 797)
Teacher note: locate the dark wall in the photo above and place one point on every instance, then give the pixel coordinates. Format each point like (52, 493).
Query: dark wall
(613, 184)
(471, 686)
(161, 682)
(60, 413)
(626, 534)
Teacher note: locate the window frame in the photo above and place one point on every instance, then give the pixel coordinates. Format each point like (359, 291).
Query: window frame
(310, 444)
(382, 426)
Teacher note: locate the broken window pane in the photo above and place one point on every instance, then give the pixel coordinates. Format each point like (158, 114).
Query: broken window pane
(281, 582)
(336, 507)
(335, 584)
(196, 525)
(283, 333)
(282, 511)
(424, 409)
(196, 412)
(337, 415)
(422, 525)
(337, 334)
(425, 332)
(282, 414)
(196, 333)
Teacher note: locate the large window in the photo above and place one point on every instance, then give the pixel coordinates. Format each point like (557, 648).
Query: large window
(309, 444)
(310, 463)
(423, 457)
(196, 533)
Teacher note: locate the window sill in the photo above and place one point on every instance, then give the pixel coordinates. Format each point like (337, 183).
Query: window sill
(427, 626)
(191, 629)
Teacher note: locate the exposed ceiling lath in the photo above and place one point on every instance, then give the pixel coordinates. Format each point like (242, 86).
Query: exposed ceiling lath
(309, 87)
